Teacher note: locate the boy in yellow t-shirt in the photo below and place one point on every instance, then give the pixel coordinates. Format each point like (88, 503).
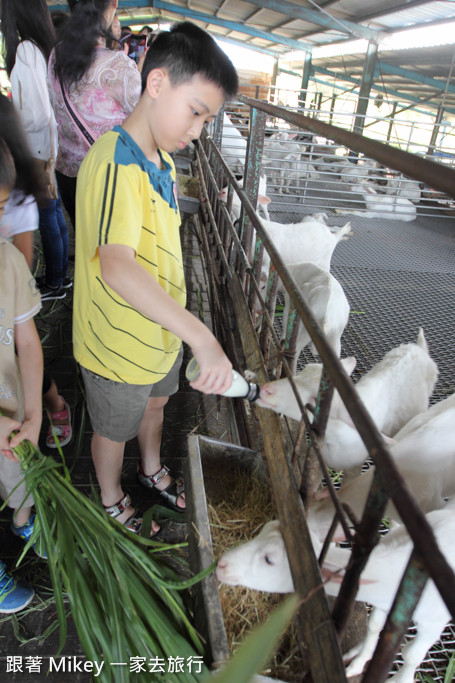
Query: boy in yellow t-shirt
(129, 299)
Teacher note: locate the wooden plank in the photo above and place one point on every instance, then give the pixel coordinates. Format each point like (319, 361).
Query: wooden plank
(208, 616)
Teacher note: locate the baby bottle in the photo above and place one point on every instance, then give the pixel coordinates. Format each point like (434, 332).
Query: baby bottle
(239, 388)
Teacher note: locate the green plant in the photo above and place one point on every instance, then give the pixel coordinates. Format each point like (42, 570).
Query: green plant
(449, 674)
(124, 598)
(257, 648)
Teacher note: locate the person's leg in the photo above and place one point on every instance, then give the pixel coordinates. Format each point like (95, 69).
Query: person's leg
(149, 439)
(22, 515)
(67, 188)
(116, 410)
(52, 244)
(59, 414)
(63, 235)
(107, 457)
(108, 460)
(53, 401)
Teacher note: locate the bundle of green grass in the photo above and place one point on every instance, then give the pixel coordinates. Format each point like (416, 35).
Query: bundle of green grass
(125, 599)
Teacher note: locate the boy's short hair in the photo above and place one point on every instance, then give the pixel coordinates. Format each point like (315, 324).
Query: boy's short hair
(187, 50)
(7, 168)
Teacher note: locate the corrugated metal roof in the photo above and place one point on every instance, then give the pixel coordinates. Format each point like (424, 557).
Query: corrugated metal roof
(279, 27)
(280, 21)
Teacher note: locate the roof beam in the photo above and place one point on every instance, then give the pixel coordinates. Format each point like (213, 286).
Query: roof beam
(322, 19)
(372, 16)
(400, 96)
(414, 76)
(407, 4)
(207, 18)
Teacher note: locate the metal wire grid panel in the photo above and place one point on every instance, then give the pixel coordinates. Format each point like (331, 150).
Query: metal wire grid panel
(390, 300)
(314, 171)
(399, 277)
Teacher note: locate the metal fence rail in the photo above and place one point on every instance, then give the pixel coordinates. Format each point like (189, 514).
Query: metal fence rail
(235, 257)
(323, 173)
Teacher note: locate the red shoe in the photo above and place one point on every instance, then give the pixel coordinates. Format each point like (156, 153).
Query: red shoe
(61, 426)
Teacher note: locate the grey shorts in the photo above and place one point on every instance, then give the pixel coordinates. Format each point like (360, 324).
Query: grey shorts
(10, 476)
(116, 409)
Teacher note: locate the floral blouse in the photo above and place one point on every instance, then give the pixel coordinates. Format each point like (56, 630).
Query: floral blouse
(103, 97)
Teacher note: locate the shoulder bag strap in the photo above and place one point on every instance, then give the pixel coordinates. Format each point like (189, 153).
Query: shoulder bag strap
(82, 126)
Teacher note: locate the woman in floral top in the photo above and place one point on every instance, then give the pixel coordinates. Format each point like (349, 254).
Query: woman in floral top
(102, 87)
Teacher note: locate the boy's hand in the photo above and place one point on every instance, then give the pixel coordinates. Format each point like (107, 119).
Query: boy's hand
(7, 425)
(215, 369)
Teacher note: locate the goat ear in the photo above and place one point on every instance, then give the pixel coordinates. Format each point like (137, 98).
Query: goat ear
(349, 364)
(339, 536)
(332, 573)
(388, 440)
(291, 136)
(263, 199)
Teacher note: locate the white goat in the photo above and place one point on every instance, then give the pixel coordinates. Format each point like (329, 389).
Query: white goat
(233, 146)
(311, 241)
(262, 564)
(393, 391)
(280, 152)
(382, 206)
(262, 202)
(297, 171)
(356, 173)
(325, 297)
(424, 453)
(404, 187)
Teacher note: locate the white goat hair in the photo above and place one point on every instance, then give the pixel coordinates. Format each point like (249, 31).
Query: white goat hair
(233, 146)
(280, 151)
(393, 391)
(382, 206)
(262, 564)
(424, 453)
(262, 202)
(311, 241)
(296, 171)
(356, 173)
(404, 187)
(327, 301)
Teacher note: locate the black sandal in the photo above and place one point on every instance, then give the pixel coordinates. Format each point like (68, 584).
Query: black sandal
(170, 495)
(134, 522)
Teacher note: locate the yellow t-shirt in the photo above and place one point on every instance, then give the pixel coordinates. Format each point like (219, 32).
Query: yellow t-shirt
(123, 198)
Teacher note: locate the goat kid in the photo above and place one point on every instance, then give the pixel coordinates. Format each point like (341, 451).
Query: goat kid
(393, 391)
(262, 564)
(424, 453)
(381, 206)
(262, 202)
(327, 301)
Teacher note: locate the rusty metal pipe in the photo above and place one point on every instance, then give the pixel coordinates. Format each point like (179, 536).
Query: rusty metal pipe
(435, 175)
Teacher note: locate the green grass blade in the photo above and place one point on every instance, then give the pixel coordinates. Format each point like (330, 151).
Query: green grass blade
(258, 647)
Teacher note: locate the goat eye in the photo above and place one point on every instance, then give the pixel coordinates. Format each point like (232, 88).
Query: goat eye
(268, 560)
